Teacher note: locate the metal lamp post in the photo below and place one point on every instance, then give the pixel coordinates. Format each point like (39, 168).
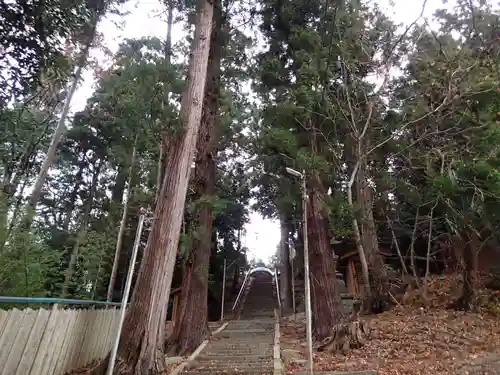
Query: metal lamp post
(302, 177)
(292, 256)
(223, 293)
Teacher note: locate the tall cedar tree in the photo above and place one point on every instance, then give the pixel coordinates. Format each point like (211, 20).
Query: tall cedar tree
(192, 326)
(143, 328)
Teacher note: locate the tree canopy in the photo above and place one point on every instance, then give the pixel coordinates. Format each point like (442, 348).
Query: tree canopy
(394, 127)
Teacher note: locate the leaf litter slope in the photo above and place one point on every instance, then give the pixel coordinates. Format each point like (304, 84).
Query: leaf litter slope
(415, 341)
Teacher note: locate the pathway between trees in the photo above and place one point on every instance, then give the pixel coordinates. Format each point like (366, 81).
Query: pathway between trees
(246, 345)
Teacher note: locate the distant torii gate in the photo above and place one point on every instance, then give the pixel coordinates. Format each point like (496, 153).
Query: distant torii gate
(250, 272)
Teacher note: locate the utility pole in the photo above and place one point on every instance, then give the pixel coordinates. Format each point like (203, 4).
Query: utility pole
(302, 176)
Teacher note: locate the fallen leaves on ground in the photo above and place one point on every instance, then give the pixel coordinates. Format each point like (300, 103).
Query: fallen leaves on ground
(172, 367)
(411, 341)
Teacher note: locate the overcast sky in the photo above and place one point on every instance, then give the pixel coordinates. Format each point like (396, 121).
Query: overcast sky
(144, 20)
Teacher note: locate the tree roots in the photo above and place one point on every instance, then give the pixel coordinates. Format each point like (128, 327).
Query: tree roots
(345, 336)
(95, 368)
(121, 367)
(467, 304)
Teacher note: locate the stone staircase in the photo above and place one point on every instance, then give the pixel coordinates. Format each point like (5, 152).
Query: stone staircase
(260, 299)
(245, 347)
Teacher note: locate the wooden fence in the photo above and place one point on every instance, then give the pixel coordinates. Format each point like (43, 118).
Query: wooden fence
(53, 342)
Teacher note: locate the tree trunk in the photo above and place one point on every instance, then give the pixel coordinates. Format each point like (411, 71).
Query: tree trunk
(72, 197)
(15, 213)
(352, 152)
(192, 327)
(121, 230)
(326, 304)
(325, 295)
(285, 281)
(357, 233)
(61, 123)
(119, 188)
(163, 144)
(138, 353)
(82, 232)
(379, 296)
(398, 249)
(467, 301)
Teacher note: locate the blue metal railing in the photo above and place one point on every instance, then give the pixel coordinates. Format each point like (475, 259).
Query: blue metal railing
(62, 301)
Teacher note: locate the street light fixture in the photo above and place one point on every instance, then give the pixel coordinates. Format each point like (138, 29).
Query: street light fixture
(295, 173)
(302, 177)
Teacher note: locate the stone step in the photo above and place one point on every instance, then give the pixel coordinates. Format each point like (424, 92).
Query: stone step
(231, 357)
(252, 331)
(246, 345)
(245, 338)
(251, 334)
(367, 372)
(225, 372)
(227, 350)
(264, 322)
(243, 330)
(240, 353)
(256, 328)
(239, 348)
(225, 368)
(242, 344)
(233, 364)
(242, 339)
(252, 313)
(241, 336)
(249, 325)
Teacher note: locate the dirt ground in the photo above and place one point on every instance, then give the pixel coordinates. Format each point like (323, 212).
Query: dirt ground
(413, 341)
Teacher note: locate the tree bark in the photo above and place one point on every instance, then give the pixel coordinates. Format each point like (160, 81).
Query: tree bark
(143, 324)
(379, 297)
(357, 233)
(72, 197)
(285, 281)
(82, 232)
(118, 189)
(121, 230)
(467, 301)
(163, 144)
(326, 304)
(192, 327)
(61, 123)
(353, 165)
(325, 295)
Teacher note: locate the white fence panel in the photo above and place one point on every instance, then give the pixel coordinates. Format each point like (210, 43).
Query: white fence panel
(54, 342)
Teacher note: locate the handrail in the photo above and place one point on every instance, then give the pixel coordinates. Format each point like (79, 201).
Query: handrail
(241, 290)
(277, 287)
(65, 301)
